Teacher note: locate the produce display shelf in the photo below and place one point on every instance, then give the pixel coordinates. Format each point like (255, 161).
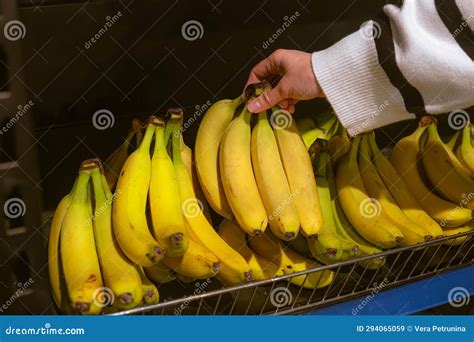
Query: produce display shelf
(404, 266)
(455, 286)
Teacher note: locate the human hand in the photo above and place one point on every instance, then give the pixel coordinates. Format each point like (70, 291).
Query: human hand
(297, 83)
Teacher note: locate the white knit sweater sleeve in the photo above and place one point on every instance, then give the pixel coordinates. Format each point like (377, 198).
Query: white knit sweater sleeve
(412, 60)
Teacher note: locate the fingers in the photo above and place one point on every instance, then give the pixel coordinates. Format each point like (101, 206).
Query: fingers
(266, 68)
(267, 100)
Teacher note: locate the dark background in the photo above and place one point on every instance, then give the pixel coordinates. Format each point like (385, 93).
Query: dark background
(143, 65)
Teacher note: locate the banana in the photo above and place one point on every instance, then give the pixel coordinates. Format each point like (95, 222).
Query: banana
(300, 176)
(453, 140)
(187, 156)
(465, 151)
(412, 232)
(400, 192)
(404, 159)
(320, 132)
(197, 263)
(56, 276)
(128, 212)
(234, 236)
(160, 273)
(339, 144)
(238, 178)
(444, 171)
(150, 292)
(165, 204)
(362, 210)
(269, 247)
(234, 268)
(78, 251)
(120, 275)
(271, 181)
(115, 161)
(208, 140)
(458, 230)
(327, 246)
(353, 243)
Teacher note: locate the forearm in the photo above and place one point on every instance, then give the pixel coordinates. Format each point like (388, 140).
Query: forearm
(413, 63)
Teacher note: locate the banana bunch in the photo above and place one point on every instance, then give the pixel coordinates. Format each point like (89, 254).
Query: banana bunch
(439, 183)
(87, 269)
(257, 174)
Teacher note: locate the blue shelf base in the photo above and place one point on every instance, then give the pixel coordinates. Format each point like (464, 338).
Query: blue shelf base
(411, 298)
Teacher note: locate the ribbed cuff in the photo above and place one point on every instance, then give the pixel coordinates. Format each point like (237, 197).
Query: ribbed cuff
(355, 84)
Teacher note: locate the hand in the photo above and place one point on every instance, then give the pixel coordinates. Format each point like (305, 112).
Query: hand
(297, 83)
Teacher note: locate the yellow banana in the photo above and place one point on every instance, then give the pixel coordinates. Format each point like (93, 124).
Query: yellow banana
(238, 178)
(465, 151)
(120, 275)
(327, 246)
(271, 181)
(78, 251)
(234, 268)
(150, 292)
(165, 204)
(320, 132)
(339, 145)
(160, 273)
(234, 236)
(400, 192)
(56, 276)
(198, 262)
(128, 214)
(458, 230)
(300, 176)
(208, 139)
(404, 159)
(445, 172)
(269, 247)
(412, 232)
(353, 244)
(362, 210)
(452, 142)
(187, 156)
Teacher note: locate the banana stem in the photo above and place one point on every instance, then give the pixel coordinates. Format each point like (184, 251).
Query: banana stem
(175, 126)
(146, 141)
(80, 192)
(160, 144)
(99, 194)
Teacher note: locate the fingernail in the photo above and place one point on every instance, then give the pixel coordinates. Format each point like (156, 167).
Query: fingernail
(254, 106)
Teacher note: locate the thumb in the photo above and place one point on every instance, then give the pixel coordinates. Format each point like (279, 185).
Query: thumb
(266, 101)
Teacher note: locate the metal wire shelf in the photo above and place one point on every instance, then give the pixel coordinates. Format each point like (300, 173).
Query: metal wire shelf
(278, 295)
